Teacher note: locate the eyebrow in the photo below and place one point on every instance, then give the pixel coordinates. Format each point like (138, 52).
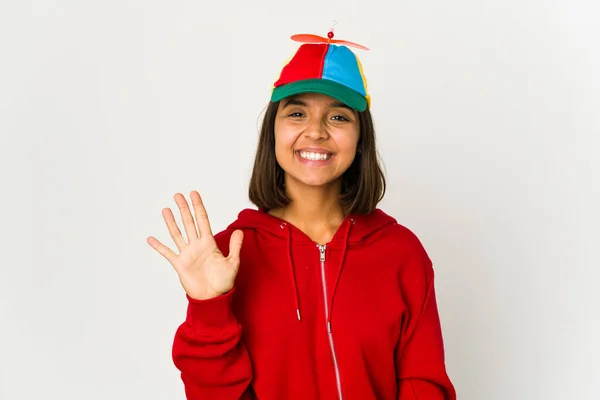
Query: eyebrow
(296, 102)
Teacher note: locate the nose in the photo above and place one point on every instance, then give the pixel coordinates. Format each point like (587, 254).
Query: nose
(317, 130)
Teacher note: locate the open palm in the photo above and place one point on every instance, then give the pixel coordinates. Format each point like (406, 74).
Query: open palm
(204, 272)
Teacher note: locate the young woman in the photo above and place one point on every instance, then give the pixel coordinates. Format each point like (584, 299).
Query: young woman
(317, 293)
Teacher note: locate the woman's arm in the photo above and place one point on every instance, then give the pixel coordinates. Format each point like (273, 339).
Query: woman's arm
(207, 348)
(208, 351)
(420, 363)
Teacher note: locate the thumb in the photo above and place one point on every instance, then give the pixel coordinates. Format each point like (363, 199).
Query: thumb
(235, 245)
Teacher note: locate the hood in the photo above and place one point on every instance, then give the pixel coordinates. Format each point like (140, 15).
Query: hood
(362, 225)
(354, 229)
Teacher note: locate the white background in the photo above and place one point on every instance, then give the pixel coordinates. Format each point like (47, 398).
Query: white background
(487, 115)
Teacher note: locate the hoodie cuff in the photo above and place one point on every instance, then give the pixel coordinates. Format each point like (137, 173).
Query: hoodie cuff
(212, 314)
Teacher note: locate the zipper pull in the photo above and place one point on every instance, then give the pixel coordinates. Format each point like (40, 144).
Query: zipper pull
(322, 251)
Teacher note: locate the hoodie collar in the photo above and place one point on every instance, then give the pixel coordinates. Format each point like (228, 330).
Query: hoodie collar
(352, 230)
(363, 226)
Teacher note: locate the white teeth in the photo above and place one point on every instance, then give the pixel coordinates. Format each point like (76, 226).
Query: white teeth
(314, 156)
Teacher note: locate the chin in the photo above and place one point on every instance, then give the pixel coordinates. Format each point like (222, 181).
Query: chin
(315, 181)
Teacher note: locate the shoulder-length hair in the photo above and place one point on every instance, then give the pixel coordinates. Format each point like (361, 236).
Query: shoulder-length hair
(363, 183)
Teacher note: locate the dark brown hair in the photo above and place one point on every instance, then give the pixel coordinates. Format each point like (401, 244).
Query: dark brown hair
(363, 183)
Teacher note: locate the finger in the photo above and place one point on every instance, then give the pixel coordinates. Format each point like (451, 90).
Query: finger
(163, 250)
(173, 228)
(201, 214)
(235, 246)
(186, 217)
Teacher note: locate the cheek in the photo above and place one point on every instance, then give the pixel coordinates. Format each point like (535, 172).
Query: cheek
(347, 142)
(284, 139)
(284, 143)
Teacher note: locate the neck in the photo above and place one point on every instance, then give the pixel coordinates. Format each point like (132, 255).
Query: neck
(316, 210)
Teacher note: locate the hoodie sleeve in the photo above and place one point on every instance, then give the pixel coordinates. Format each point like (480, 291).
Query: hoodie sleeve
(420, 363)
(209, 352)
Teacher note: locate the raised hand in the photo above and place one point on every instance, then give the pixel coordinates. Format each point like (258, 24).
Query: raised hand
(204, 272)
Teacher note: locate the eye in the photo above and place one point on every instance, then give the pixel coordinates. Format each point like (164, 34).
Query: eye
(340, 118)
(296, 115)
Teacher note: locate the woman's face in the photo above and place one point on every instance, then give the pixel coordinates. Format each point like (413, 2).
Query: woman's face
(315, 138)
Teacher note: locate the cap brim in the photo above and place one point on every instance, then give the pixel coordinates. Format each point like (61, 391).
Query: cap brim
(336, 90)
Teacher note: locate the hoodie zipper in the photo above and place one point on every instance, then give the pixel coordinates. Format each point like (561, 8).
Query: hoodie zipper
(329, 334)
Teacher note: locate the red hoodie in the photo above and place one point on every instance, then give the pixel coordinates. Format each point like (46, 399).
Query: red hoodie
(273, 337)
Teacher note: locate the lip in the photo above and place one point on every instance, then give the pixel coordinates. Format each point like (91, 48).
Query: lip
(314, 150)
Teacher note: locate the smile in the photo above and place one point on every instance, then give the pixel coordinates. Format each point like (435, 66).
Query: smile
(307, 155)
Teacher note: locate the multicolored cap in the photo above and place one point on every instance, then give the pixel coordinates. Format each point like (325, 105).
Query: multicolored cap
(327, 66)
